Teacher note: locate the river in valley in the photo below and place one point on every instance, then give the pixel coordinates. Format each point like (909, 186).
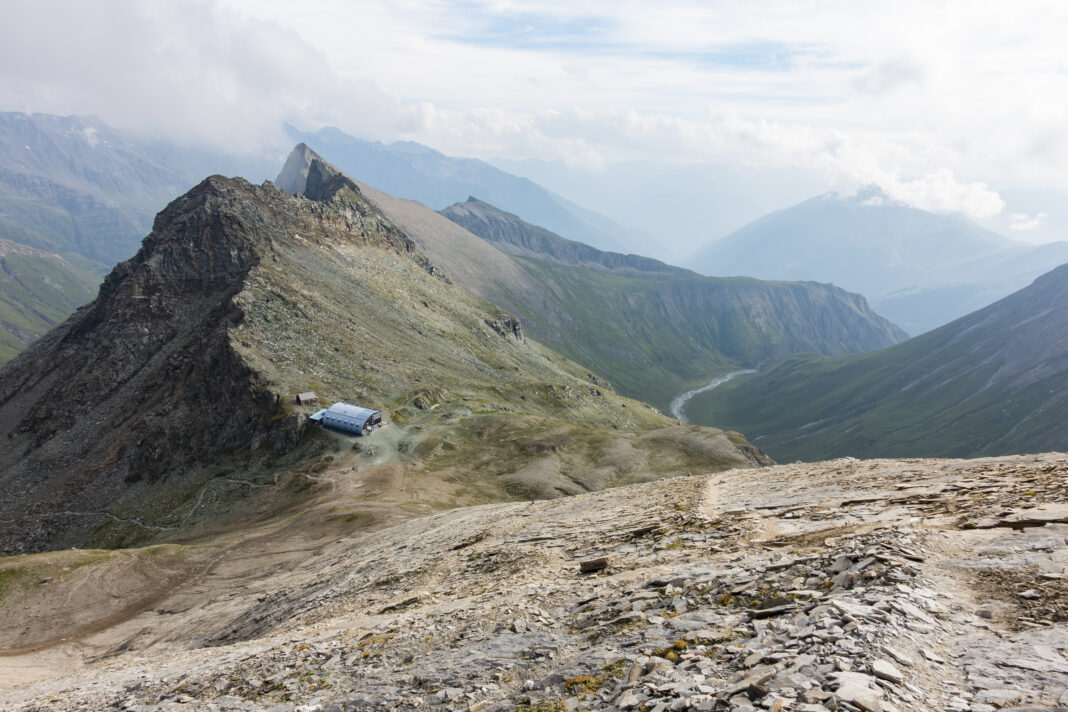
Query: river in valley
(678, 405)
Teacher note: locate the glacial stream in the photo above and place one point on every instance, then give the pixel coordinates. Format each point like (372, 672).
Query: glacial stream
(678, 405)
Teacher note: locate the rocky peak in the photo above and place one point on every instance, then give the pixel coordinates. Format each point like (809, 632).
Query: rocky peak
(294, 175)
(139, 395)
(309, 174)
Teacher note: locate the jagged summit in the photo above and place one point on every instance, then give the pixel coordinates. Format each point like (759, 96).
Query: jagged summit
(307, 173)
(294, 175)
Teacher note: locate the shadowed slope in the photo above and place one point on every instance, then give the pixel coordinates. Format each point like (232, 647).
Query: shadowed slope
(993, 382)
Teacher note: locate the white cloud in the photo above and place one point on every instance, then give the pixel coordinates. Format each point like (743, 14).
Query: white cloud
(192, 70)
(932, 101)
(1022, 222)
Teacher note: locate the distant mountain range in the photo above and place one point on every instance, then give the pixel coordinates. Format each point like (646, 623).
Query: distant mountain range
(75, 186)
(917, 268)
(993, 382)
(652, 329)
(86, 191)
(410, 170)
(81, 194)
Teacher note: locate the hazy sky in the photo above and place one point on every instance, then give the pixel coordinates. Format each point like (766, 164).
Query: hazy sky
(935, 101)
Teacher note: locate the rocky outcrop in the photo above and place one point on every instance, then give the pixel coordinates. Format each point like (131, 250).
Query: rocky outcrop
(843, 585)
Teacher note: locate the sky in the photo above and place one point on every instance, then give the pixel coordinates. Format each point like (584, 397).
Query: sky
(945, 105)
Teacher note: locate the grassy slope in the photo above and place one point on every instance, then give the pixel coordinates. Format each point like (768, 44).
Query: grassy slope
(614, 321)
(994, 382)
(37, 291)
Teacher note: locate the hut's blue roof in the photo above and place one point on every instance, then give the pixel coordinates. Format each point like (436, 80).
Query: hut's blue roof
(350, 412)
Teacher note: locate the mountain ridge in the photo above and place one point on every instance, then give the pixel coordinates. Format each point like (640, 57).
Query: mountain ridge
(165, 407)
(412, 171)
(515, 236)
(917, 268)
(992, 382)
(652, 334)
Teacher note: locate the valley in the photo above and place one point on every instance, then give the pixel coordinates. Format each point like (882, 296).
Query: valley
(533, 357)
(678, 405)
(992, 382)
(651, 329)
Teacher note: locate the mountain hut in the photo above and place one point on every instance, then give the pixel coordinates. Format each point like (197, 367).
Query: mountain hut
(308, 398)
(352, 418)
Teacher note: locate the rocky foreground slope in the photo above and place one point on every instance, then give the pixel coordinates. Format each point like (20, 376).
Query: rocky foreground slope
(845, 585)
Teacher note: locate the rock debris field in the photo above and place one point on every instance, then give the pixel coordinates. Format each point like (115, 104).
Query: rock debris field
(874, 585)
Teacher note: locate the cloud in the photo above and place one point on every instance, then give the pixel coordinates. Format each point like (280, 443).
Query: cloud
(942, 192)
(1022, 222)
(889, 76)
(861, 93)
(191, 70)
(594, 140)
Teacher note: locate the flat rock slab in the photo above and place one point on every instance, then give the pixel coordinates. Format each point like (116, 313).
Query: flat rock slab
(859, 689)
(885, 670)
(1037, 517)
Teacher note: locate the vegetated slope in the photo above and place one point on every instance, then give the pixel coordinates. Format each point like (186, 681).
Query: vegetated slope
(650, 328)
(993, 382)
(37, 291)
(411, 170)
(918, 269)
(165, 403)
(78, 187)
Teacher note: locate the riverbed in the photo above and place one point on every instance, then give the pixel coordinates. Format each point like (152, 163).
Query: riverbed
(678, 405)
